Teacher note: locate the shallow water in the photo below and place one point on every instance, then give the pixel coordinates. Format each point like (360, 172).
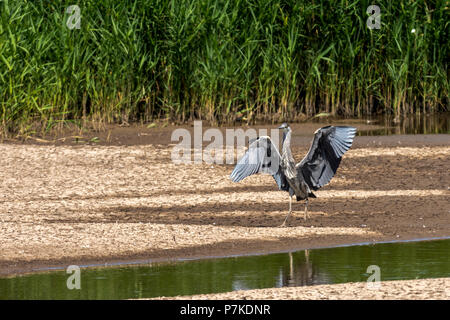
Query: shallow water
(412, 124)
(400, 260)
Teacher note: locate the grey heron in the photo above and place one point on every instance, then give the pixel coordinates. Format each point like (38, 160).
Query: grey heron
(313, 172)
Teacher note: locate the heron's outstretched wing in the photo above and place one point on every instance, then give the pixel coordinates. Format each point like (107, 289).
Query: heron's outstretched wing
(261, 156)
(323, 158)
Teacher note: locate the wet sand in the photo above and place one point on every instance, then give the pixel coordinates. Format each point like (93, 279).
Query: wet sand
(423, 289)
(65, 203)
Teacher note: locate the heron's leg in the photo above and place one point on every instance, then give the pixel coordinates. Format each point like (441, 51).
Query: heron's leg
(290, 210)
(306, 210)
(290, 205)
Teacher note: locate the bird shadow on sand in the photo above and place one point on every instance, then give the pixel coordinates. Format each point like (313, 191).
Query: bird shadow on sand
(334, 212)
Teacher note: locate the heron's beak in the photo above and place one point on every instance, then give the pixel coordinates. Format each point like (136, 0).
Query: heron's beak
(281, 127)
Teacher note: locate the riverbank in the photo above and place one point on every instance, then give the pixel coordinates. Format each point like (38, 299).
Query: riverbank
(419, 289)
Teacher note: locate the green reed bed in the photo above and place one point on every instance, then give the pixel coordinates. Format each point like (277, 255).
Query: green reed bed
(224, 60)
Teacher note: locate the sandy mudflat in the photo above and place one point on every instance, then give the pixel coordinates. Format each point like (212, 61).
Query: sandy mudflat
(423, 289)
(77, 204)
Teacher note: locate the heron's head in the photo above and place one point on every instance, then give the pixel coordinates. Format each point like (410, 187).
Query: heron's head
(284, 126)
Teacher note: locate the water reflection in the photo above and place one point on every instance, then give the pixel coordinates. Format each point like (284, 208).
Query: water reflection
(411, 124)
(300, 272)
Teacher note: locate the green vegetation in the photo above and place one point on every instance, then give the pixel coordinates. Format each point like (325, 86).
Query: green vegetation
(218, 60)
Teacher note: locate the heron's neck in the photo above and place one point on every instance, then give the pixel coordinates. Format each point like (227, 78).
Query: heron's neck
(287, 141)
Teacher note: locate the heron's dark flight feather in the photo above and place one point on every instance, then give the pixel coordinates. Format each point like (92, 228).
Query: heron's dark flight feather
(324, 156)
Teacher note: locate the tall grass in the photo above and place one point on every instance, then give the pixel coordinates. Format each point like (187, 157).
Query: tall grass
(219, 60)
